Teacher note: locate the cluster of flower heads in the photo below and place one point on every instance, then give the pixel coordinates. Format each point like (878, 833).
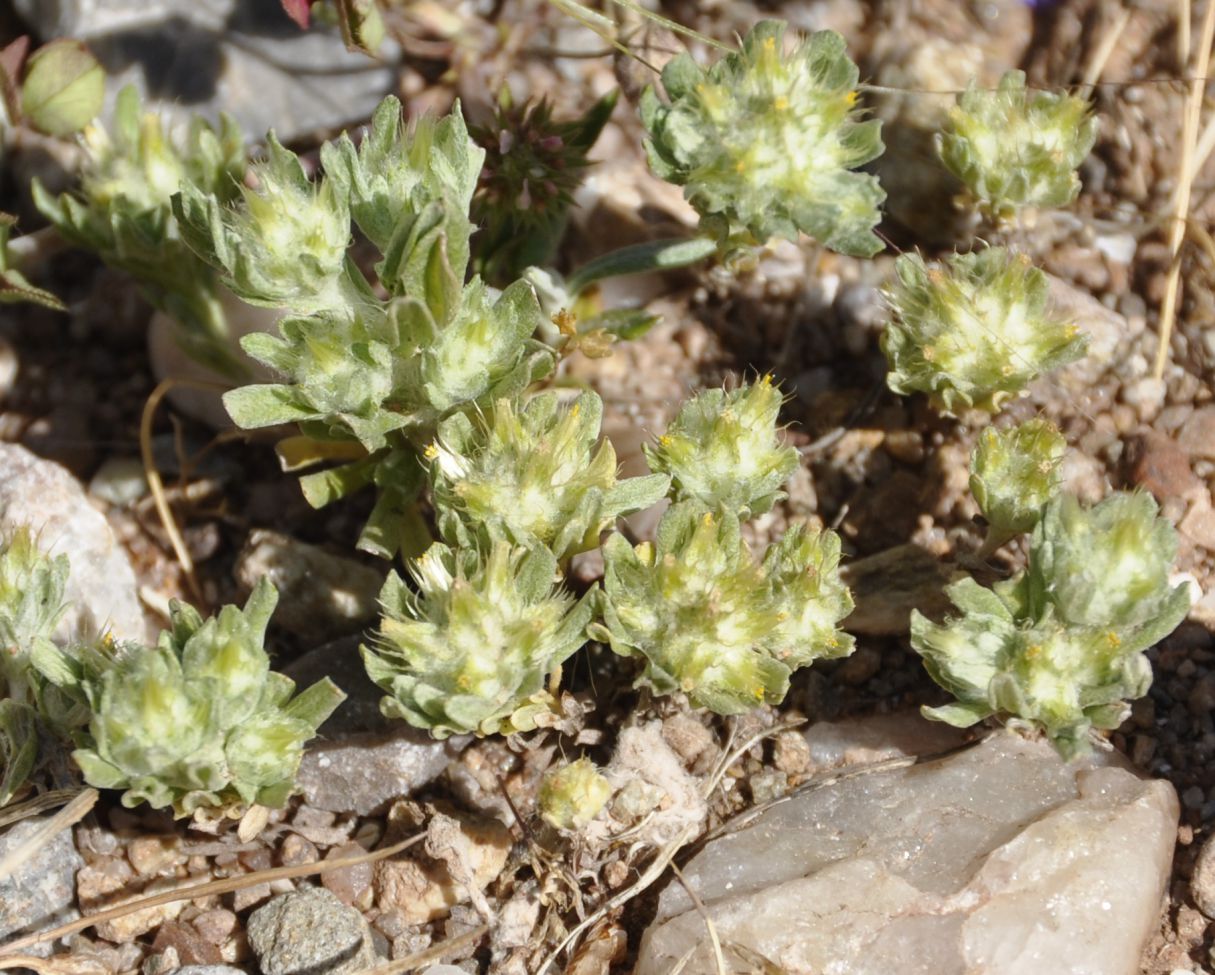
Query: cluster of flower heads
(1060, 645)
(522, 488)
(198, 721)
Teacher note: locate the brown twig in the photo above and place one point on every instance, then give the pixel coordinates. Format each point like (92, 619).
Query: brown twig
(156, 485)
(31, 807)
(1185, 182)
(718, 957)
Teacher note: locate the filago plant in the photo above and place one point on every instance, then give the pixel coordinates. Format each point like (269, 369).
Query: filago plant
(426, 379)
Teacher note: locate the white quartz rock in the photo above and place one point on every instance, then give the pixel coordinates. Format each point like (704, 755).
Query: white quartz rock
(997, 860)
(47, 499)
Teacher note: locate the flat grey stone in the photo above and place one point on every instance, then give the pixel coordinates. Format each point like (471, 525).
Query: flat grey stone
(90, 18)
(997, 860)
(310, 932)
(361, 760)
(322, 595)
(46, 498)
(206, 56)
(41, 893)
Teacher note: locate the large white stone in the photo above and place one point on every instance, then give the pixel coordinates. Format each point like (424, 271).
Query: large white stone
(997, 860)
(101, 589)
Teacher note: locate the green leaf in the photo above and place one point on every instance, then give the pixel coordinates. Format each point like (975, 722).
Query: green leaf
(314, 705)
(958, 715)
(265, 405)
(64, 88)
(325, 487)
(658, 255)
(362, 26)
(18, 747)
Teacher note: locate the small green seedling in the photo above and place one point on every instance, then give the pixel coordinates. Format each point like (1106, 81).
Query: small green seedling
(572, 795)
(974, 331)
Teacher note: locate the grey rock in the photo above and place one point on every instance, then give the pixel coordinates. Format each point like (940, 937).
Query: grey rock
(887, 586)
(207, 970)
(361, 760)
(205, 56)
(41, 893)
(310, 931)
(101, 588)
(997, 860)
(322, 595)
(91, 18)
(1112, 342)
(1202, 881)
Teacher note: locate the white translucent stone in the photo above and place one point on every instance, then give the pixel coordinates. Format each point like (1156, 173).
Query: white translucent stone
(996, 860)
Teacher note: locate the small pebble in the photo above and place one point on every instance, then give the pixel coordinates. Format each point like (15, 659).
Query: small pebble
(351, 885)
(295, 850)
(216, 926)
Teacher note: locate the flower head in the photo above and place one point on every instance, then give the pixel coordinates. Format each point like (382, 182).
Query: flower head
(1016, 148)
(973, 331)
(1014, 472)
(470, 651)
(722, 450)
(533, 472)
(764, 142)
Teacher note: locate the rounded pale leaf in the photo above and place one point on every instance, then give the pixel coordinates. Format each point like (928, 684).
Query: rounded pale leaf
(63, 90)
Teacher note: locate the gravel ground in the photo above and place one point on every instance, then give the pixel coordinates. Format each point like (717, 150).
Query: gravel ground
(890, 472)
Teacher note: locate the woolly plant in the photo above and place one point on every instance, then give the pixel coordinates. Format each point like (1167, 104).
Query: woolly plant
(123, 212)
(1060, 646)
(765, 141)
(198, 721)
(1015, 148)
(368, 378)
(973, 331)
(471, 649)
